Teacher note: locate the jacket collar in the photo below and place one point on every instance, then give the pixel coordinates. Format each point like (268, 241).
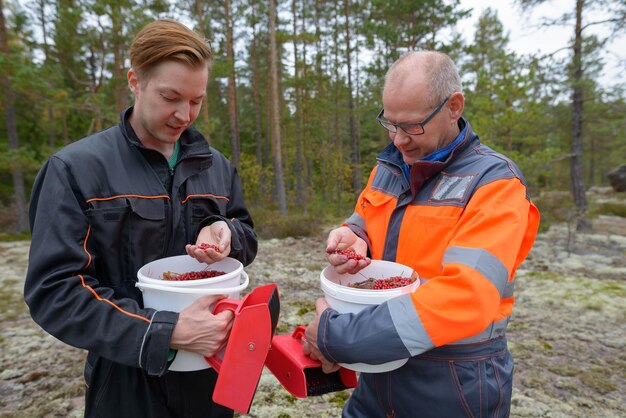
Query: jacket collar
(192, 143)
(423, 170)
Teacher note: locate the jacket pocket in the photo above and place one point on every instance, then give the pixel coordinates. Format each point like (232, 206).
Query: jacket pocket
(376, 207)
(376, 199)
(126, 233)
(201, 207)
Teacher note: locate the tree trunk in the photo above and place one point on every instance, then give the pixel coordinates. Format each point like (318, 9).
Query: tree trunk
(52, 139)
(46, 51)
(357, 104)
(300, 195)
(19, 191)
(355, 156)
(323, 144)
(305, 150)
(593, 147)
(256, 101)
(335, 130)
(576, 168)
(267, 138)
(232, 87)
(66, 132)
(279, 181)
(120, 89)
(97, 67)
(204, 112)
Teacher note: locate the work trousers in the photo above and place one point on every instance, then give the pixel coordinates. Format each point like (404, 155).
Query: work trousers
(115, 390)
(454, 381)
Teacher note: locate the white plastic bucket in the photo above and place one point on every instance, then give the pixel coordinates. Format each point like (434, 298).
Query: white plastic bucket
(175, 299)
(345, 299)
(153, 272)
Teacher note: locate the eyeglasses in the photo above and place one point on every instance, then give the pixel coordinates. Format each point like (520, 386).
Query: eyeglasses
(410, 128)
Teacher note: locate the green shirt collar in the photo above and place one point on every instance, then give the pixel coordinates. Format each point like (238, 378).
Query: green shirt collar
(172, 160)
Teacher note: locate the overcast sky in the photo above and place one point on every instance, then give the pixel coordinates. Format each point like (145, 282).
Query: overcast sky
(526, 37)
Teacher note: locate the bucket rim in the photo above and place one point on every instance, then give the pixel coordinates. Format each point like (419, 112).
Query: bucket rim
(197, 290)
(364, 296)
(367, 296)
(144, 278)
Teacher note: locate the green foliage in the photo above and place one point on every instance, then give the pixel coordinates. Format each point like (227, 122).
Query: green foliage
(14, 236)
(504, 106)
(555, 206)
(72, 83)
(610, 208)
(596, 379)
(340, 398)
(268, 224)
(303, 310)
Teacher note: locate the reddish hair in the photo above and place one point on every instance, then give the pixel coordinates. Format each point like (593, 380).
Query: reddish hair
(168, 40)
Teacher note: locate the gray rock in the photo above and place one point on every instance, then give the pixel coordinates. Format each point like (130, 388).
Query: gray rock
(617, 178)
(566, 333)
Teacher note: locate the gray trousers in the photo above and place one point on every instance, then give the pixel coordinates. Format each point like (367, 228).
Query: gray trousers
(454, 381)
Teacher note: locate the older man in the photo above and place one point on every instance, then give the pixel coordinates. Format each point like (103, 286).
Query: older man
(457, 212)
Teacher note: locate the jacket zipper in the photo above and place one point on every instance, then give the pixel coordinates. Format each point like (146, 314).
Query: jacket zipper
(169, 220)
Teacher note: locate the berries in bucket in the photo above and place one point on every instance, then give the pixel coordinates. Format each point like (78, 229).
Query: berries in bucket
(192, 275)
(384, 283)
(347, 293)
(186, 271)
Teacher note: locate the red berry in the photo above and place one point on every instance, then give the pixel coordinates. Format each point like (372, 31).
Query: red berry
(192, 275)
(392, 283)
(350, 253)
(204, 246)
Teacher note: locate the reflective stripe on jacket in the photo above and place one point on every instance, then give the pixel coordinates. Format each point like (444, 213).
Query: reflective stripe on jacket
(465, 225)
(99, 211)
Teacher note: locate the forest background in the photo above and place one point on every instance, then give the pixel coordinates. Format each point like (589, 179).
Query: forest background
(295, 89)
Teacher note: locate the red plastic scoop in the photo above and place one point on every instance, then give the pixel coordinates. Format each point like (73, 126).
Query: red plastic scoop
(239, 371)
(301, 375)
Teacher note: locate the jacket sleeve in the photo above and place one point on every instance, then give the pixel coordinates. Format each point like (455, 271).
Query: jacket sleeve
(244, 242)
(473, 290)
(63, 293)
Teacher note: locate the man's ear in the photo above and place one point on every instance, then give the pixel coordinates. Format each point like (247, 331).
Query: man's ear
(133, 81)
(457, 104)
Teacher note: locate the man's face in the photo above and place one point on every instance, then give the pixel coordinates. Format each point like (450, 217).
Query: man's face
(166, 103)
(410, 104)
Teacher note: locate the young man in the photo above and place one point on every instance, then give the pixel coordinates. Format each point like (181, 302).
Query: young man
(102, 207)
(458, 213)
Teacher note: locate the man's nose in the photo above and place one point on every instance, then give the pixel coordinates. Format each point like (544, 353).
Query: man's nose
(400, 137)
(183, 112)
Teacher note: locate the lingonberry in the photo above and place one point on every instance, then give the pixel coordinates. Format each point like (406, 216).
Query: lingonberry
(392, 283)
(204, 246)
(350, 253)
(192, 275)
(382, 284)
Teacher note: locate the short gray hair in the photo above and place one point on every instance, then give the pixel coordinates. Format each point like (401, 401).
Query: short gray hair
(441, 73)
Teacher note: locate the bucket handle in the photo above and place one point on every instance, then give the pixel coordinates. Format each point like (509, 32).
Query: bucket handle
(227, 304)
(298, 333)
(191, 290)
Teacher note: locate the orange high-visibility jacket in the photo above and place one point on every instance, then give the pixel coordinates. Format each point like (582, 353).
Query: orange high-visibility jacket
(464, 225)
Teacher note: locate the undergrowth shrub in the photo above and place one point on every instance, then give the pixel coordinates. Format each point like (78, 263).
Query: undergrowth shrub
(268, 223)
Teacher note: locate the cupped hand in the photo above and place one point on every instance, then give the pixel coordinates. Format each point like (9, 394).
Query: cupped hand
(217, 235)
(342, 239)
